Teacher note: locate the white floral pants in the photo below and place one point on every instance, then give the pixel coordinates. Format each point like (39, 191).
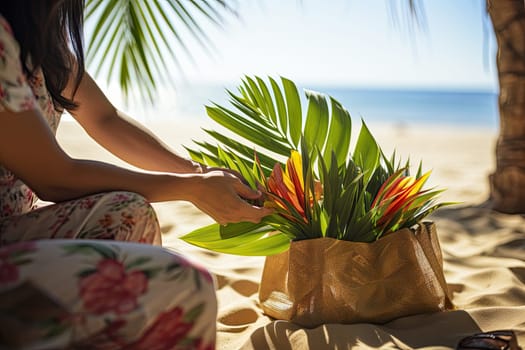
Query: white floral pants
(116, 293)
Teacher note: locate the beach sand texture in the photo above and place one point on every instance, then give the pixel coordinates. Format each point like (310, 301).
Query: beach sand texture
(484, 251)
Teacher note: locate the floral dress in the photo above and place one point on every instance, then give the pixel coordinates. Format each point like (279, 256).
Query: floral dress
(89, 273)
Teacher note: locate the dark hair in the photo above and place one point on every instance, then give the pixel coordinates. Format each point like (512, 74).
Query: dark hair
(50, 36)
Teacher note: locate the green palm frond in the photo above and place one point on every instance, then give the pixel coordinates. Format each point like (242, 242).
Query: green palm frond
(138, 42)
(270, 117)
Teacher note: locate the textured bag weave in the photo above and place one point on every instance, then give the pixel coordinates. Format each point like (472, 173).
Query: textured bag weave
(325, 280)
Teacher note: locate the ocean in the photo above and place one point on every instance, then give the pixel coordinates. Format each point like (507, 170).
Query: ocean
(394, 106)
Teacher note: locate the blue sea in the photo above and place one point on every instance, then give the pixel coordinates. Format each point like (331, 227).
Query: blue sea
(398, 106)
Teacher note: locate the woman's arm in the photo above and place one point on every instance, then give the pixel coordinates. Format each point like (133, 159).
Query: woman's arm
(134, 144)
(29, 149)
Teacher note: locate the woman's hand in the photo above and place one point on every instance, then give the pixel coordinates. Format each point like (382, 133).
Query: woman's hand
(222, 195)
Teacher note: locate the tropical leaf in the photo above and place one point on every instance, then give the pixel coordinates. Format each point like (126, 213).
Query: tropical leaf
(245, 128)
(366, 153)
(280, 106)
(268, 117)
(316, 124)
(248, 241)
(293, 105)
(338, 139)
(138, 42)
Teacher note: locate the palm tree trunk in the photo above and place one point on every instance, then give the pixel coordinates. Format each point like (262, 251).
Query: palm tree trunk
(508, 180)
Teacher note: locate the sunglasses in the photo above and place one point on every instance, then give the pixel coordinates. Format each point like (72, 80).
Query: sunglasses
(495, 340)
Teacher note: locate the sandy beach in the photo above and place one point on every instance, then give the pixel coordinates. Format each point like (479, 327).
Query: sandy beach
(484, 251)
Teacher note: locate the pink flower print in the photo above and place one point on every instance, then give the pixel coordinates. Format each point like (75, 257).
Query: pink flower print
(29, 195)
(112, 329)
(28, 103)
(136, 283)
(7, 210)
(11, 257)
(112, 269)
(18, 248)
(112, 289)
(88, 202)
(49, 106)
(9, 178)
(106, 221)
(165, 333)
(127, 220)
(120, 197)
(8, 272)
(3, 93)
(36, 81)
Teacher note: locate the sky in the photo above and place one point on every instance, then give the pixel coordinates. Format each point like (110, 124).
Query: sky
(351, 43)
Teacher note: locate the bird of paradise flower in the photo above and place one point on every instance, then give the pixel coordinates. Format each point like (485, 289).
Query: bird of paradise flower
(401, 202)
(285, 191)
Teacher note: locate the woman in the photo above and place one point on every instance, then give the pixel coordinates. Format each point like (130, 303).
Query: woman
(95, 294)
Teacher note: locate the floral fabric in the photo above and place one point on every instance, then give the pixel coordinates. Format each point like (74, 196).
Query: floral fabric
(17, 94)
(103, 295)
(121, 216)
(105, 291)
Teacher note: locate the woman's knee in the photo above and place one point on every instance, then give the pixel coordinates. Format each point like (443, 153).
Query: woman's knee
(182, 302)
(197, 304)
(137, 217)
(127, 216)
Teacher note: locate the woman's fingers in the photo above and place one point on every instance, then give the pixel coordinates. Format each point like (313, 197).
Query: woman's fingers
(255, 213)
(247, 211)
(206, 169)
(226, 199)
(246, 192)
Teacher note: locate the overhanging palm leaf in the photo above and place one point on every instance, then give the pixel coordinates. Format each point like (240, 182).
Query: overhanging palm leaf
(134, 41)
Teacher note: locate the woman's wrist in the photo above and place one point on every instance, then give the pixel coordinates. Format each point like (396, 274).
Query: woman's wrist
(185, 187)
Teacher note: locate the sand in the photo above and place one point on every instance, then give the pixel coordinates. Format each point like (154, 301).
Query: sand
(484, 251)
